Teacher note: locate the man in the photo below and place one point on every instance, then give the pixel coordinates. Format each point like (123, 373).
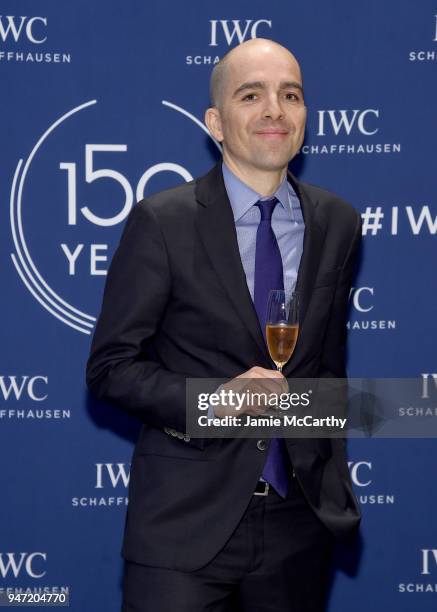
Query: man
(230, 521)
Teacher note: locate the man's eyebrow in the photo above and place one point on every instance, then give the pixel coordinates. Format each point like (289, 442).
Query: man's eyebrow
(262, 85)
(292, 85)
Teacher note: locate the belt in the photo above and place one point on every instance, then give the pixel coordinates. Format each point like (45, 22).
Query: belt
(263, 487)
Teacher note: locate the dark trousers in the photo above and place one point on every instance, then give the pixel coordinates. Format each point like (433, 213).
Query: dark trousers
(277, 560)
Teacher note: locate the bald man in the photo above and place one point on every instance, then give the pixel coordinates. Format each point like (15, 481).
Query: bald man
(230, 524)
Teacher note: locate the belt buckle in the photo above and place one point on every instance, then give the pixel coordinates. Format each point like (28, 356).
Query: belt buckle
(266, 490)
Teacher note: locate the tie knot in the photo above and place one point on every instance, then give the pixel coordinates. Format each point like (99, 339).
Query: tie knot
(266, 208)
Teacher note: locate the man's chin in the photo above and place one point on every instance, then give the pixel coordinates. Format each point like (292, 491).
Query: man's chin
(273, 165)
(274, 160)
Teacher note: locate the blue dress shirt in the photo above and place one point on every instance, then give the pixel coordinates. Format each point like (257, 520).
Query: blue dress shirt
(287, 224)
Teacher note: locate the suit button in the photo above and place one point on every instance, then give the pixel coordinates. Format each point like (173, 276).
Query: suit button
(261, 445)
(187, 438)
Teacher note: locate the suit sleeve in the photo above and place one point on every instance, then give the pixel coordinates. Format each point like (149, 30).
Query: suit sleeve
(333, 362)
(136, 293)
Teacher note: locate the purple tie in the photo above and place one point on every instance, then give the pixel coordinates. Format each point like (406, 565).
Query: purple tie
(268, 276)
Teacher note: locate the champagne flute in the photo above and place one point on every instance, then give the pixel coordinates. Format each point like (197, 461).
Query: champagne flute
(282, 327)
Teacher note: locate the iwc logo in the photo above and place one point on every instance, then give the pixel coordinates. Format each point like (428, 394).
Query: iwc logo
(427, 563)
(363, 303)
(347, 132)
(112, 477)
(223, 33)
(28, 30)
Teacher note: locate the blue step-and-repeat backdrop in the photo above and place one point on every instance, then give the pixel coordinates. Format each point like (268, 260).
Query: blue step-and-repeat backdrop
(103, 102)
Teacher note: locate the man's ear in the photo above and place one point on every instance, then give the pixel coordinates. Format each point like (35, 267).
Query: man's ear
(213, 123)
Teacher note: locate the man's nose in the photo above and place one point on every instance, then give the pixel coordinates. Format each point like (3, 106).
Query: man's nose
(273, 108)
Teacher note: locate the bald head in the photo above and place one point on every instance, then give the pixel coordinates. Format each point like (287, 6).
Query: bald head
(236, 58)
(258, 111)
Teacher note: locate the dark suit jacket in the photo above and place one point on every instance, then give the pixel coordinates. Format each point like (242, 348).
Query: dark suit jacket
(177, 305)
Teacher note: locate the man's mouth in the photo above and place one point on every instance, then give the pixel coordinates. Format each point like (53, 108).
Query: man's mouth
(272, 133)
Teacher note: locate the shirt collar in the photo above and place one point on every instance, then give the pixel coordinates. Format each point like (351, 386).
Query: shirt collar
(242, 197)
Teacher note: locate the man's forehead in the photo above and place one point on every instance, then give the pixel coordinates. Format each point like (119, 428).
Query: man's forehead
(264, 78)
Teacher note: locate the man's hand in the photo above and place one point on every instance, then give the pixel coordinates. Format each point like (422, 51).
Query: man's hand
(255, 380)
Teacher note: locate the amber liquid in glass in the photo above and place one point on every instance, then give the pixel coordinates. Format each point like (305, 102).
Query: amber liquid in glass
(281, 340)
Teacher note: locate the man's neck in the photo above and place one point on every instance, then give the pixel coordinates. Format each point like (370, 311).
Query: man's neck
(265, 183)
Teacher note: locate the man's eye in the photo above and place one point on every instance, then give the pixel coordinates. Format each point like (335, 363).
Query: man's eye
(249, 97)
(292, 96)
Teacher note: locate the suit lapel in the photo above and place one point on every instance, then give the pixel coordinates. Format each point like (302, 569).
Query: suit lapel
(216, 226)
(309, 263)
